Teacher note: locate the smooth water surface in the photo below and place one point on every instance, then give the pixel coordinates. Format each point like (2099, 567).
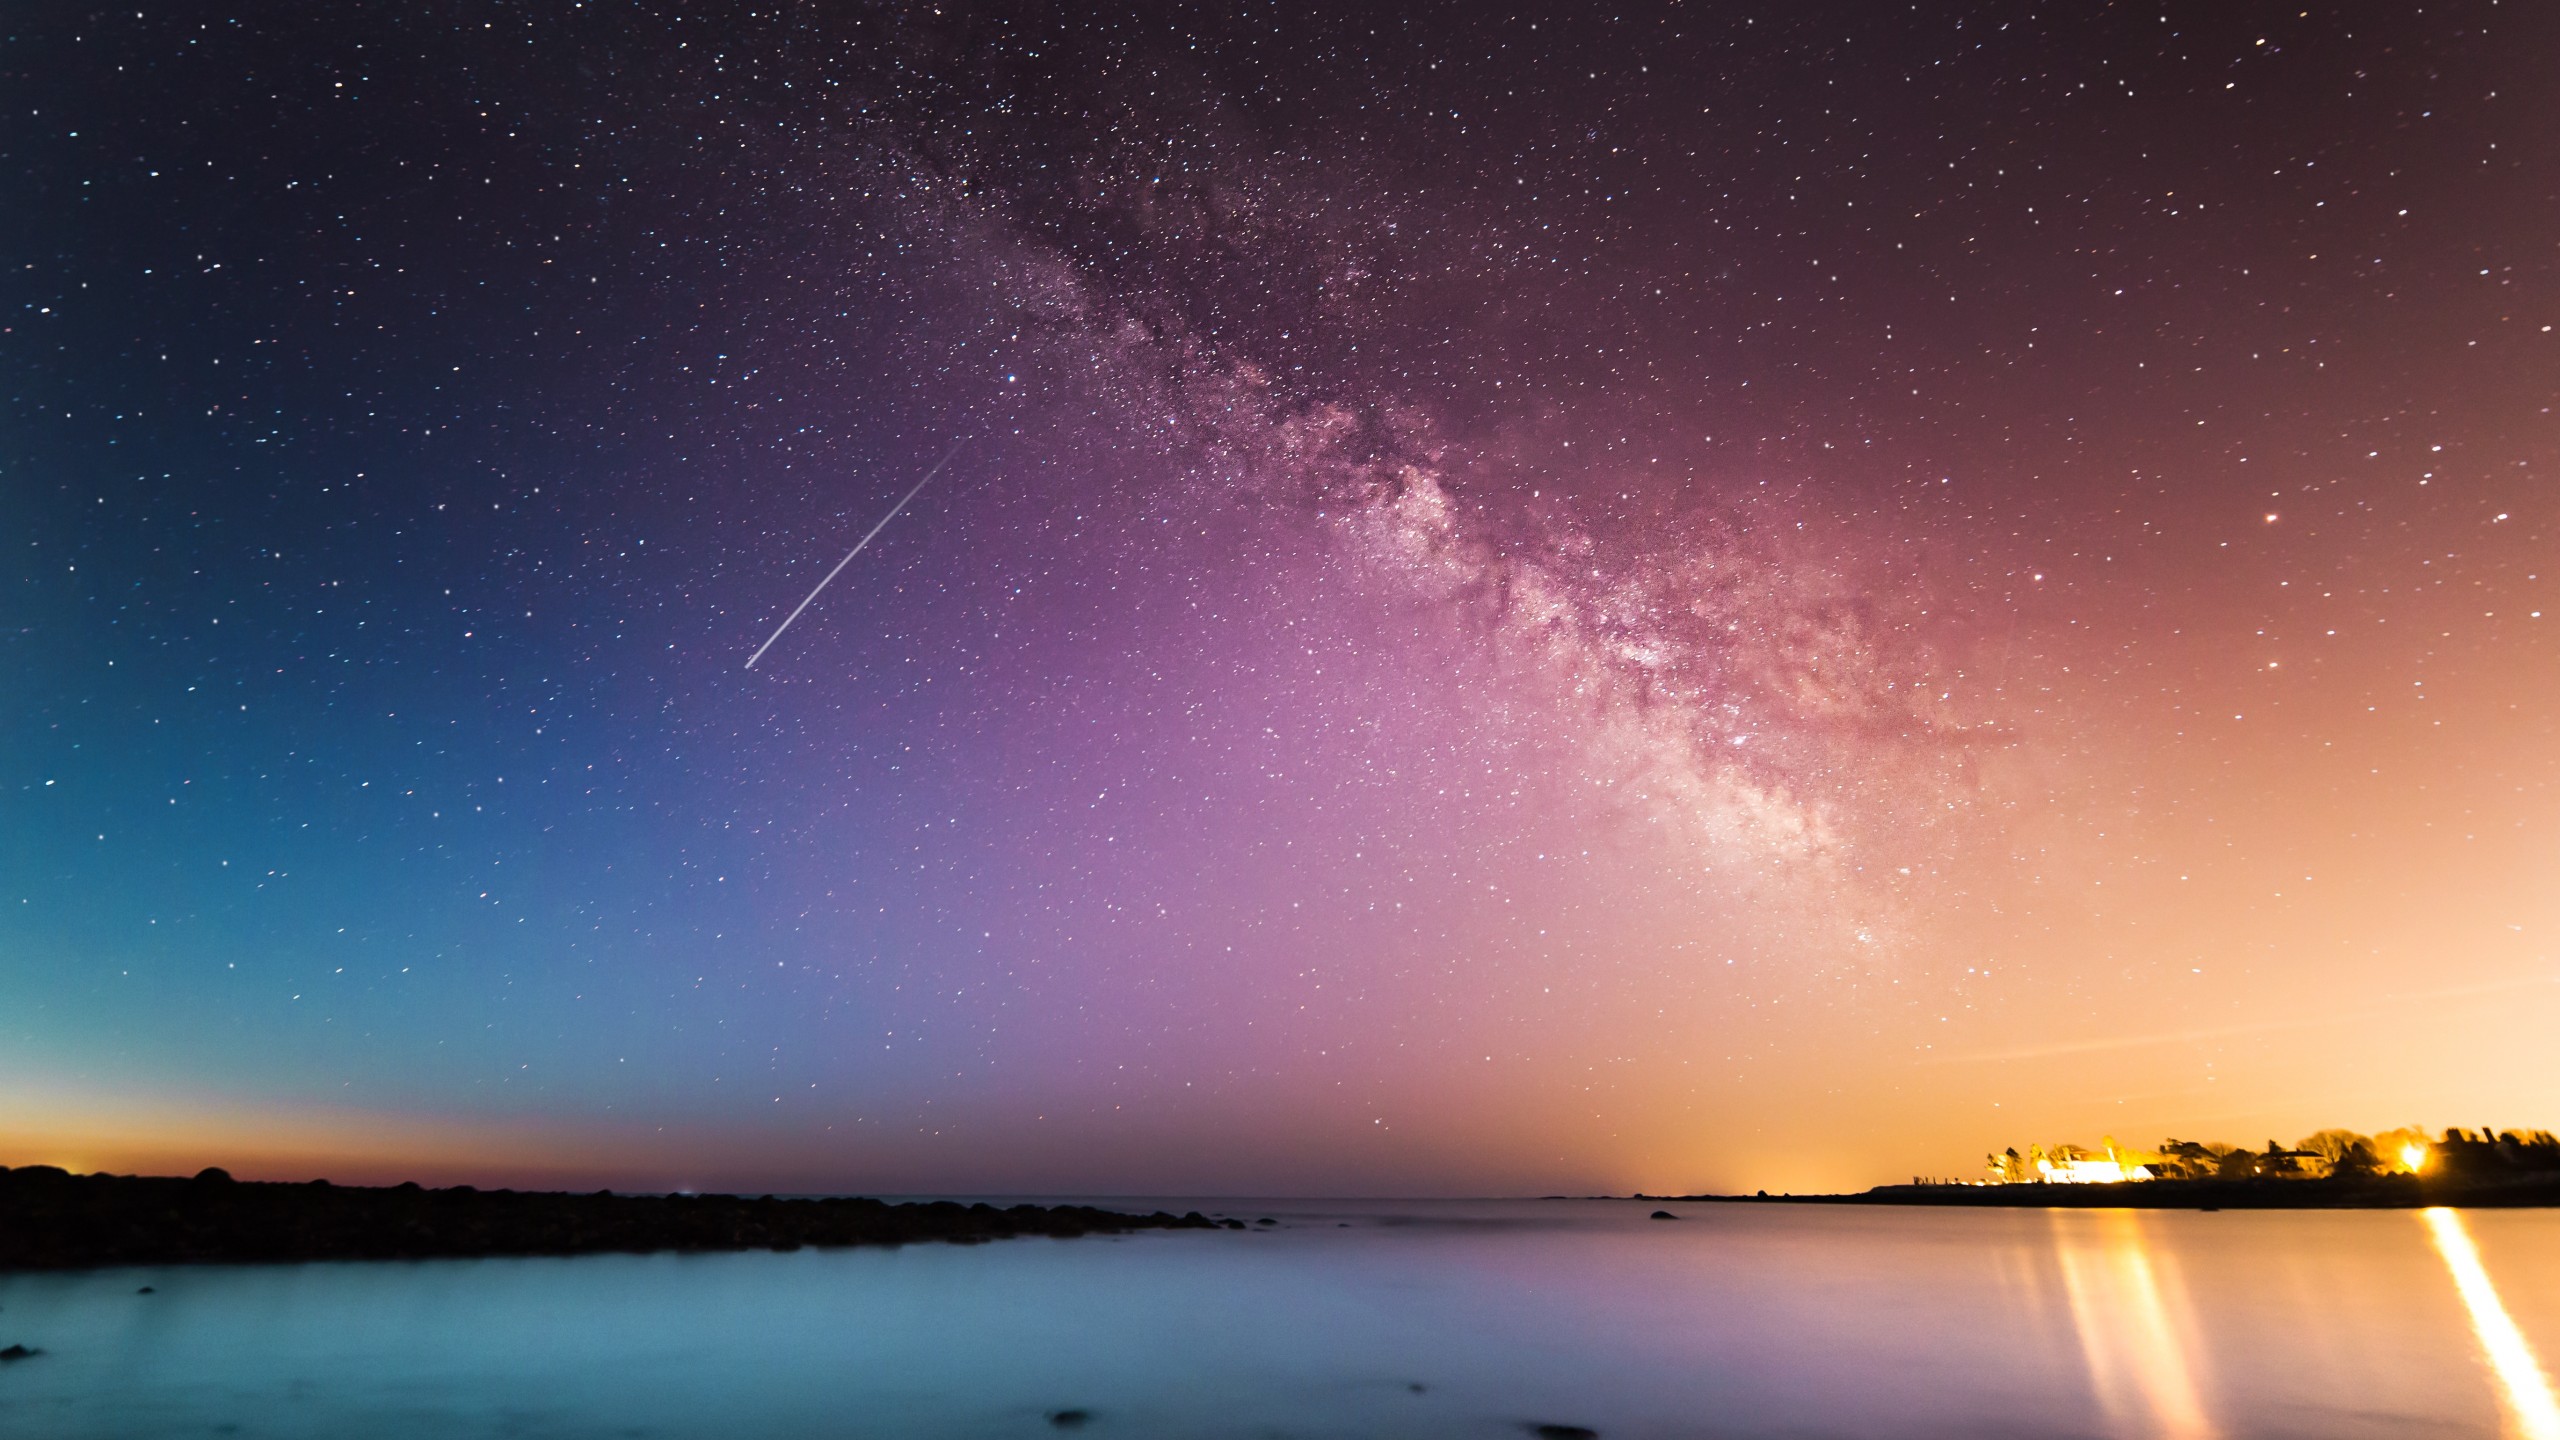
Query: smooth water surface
(1356, 1319)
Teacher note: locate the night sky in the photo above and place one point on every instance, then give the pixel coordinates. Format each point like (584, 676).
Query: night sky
(1712, 595)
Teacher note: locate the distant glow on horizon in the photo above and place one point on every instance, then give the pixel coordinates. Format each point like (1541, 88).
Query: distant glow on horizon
(2522, 1384)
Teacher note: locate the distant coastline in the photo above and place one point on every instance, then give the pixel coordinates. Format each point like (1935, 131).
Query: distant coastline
(2385, 1192)
(53, 1220)
(2330, 1170)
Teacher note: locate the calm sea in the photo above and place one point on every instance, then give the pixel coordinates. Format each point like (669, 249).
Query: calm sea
(1360, 1319)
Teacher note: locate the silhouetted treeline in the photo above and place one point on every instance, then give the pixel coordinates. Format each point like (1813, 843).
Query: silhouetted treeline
(2332, 1169)
(50, 1219)
(2489, 1155)
(2341, 1155)
(2328, 1170)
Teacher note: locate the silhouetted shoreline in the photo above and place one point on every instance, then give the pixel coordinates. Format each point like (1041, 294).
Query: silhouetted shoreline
(2388, 1192)
(53, 1220)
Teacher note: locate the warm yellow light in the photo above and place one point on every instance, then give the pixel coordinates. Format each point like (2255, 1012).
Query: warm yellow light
(2414, 1156)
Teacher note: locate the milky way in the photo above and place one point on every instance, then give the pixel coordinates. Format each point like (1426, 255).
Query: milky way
(1700, 596)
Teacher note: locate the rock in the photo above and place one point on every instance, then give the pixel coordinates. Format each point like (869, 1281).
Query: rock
(213, 1175)
(1564, 1432)
(1232, 1224)
(19, 1352)
(1069, 1419)
(1266, 1220)
(146, 1290)
(1664, 1215)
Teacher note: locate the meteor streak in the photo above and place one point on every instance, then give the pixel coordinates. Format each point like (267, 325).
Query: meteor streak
(857, 548)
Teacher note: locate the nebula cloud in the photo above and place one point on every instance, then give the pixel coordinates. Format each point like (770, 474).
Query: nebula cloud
(1776, 705)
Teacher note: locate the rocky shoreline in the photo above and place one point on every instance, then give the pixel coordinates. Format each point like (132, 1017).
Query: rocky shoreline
(53, 1220)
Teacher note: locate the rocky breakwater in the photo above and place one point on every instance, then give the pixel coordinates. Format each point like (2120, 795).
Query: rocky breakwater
(51, 1219)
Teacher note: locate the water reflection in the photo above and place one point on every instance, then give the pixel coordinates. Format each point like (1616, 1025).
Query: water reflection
(2132, 1326)
(2521, 1383)
(1436, 1321)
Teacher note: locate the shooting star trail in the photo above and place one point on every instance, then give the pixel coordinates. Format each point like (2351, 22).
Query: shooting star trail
(857, 548)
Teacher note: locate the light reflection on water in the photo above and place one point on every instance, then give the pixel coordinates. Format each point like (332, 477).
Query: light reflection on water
(1437, 1319)
(2526, 1389)
(2132, 1321)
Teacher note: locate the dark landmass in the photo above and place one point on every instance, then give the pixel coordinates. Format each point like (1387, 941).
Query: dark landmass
(2382, 1192)
(2333, 1170)
(53, 1220)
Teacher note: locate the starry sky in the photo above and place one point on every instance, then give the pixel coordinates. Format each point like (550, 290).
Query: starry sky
(1707, 595)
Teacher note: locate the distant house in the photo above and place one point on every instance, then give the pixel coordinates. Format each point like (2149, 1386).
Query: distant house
(2185, 1160)
(2090, 1172)
(2067, 1165)
(2295, 1164)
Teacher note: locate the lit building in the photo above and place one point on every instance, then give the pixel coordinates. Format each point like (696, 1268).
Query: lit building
(2090, 1172)
(2068, 1165)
